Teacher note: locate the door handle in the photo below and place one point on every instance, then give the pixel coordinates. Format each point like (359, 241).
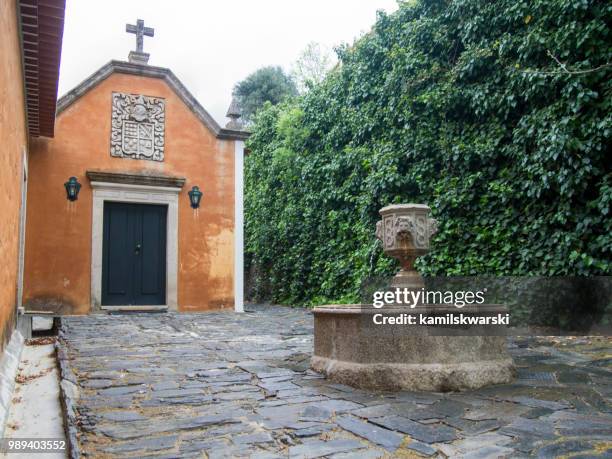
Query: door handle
(137, 249)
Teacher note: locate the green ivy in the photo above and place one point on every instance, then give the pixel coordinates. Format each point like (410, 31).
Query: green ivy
(496, 114)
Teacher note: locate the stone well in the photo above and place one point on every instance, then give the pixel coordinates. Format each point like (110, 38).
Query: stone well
(349, 350)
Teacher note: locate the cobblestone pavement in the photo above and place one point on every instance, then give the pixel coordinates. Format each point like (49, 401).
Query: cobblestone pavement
(238, 385)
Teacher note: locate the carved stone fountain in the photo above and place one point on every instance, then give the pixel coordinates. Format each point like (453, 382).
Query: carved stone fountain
(350, 350)
(405, 231)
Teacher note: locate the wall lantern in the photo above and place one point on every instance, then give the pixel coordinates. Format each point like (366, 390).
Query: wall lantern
(72, 189)
(195, 195)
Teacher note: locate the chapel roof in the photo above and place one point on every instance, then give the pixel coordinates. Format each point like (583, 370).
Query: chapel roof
(41, 27)
(150, 71)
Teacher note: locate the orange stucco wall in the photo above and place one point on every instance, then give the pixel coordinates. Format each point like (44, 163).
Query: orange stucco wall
(13, 142)
(58, 241)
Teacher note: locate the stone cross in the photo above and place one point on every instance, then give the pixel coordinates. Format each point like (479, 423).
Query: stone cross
(140, 31)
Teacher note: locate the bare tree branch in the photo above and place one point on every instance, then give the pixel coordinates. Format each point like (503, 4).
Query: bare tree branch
(564, 69)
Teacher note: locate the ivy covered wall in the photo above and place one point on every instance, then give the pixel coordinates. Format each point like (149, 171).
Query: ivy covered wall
(496, 114)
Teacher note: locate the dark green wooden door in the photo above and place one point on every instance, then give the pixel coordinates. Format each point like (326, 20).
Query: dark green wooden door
(134, 254)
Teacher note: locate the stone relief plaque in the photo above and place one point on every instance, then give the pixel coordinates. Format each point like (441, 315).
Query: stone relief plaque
(137, 127)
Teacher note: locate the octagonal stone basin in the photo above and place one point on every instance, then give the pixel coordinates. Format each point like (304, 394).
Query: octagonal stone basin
(347, 351)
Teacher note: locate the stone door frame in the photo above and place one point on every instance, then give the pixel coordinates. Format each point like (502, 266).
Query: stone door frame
(137, 194)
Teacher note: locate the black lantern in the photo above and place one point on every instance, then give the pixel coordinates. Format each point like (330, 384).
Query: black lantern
(195, 195)
(72, 189)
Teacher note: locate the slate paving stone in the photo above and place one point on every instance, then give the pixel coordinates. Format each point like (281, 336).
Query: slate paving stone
(274, 372)
(229, 452)
(537, 403)
(361, 454)
(604, 363)
(429, 421)
(284, 412)
(299, 425)
(111, 402)
(473, 399)
(170, 393)
(607, 454)
(573, 376)
(422, 448)
(427, 434)
(535, 413)
(596, 402)
(342, 388)
(312, 431)
(337, 406)
(164, 455)
(204, 421)
(568, 417)
(202, 445)
(488, 452)
(579, 427)
(448, 408)
(315, 413)
(447, 450)
(417, 397)
(97, 383)
(122, 390)
(231, 378)
(267, 455)
(230, 388)
(526, 444)
(283, 378)
(165, 385)
(292, 401)
(318, 448)
(119, 432)
(122, 416)
(251, 395)
(301, 392)
(388, 439)
(224, 432)
(254, 438)
(109, 375)
(473, 427)
(376, 411)
(139, 429)
(278, 385)
(187, 400)
(238, 385)
(476, 442)
(525, 427)
(195, 384)
(144, 444)
(498, 410)
(368, 399)
(405, 409)
(564, 448)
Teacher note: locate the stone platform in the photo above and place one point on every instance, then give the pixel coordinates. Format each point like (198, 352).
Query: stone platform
(238, 385)
(350, 349)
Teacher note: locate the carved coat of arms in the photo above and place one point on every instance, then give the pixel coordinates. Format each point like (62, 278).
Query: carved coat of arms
(137, 127)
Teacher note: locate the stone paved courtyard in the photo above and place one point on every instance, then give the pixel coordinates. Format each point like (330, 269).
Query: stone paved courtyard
(230, 385)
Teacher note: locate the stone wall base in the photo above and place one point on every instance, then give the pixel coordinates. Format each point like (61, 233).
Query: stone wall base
(416, 377)
(9, 365)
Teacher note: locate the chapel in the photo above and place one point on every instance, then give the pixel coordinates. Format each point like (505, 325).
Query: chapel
(135, 202)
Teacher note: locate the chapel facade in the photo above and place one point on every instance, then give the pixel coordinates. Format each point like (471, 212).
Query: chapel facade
(135, 203)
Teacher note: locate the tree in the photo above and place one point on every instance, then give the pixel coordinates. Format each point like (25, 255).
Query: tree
(311, 66)
(267, 84)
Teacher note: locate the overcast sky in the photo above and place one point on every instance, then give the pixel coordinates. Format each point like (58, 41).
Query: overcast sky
(209, 45)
